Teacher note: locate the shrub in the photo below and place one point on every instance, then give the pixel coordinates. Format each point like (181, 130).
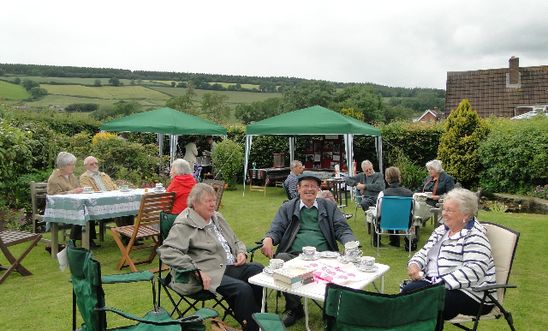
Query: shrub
(458, 149)
(412, 174)
(228, 159)
(514, 156)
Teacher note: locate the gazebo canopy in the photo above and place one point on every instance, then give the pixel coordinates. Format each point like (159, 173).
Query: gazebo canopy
(166, 121)
(315, 120)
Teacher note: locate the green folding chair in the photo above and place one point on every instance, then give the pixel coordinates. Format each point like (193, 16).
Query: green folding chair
(88, 296)
(347, 309)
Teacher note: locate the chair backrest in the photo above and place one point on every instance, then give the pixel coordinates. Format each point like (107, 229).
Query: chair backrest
(87, 287)
(396, 213)
(503, 242)
(38, 193)
(219, 187)
(166, 222)
(350, 309)
(151, 206)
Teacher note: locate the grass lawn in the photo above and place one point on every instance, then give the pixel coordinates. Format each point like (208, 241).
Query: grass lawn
(9, 91)
(44, 299)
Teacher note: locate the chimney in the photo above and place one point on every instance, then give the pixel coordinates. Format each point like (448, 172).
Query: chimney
(513, 70)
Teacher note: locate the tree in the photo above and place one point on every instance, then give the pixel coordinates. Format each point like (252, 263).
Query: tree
(458, 149)
(97, 83)
(38, 92)
(308, 94)
(214, 107)
(29, 84)
(363, 99)
(258, 110)
(114, 81)
(228, 158)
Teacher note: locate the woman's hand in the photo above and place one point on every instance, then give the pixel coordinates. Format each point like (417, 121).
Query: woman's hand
(267, 248)
(414, 272)
(240, 259)
(77, 190)
(206, 280)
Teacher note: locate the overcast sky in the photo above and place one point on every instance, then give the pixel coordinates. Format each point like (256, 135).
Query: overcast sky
(395, 43)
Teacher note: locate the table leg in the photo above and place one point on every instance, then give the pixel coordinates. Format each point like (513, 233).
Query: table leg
(54, 240)
(382, 284)
(263, 301)
(85, 236)
(306, 314)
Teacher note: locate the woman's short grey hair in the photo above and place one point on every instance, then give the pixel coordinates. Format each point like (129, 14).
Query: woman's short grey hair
(181, 167)
(392, 175)
(294, 164)
(467, 200)
(64, 159)
(434, 165)
(197, 193)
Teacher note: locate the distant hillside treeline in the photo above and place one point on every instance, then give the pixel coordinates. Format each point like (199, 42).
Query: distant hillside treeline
(199, 80)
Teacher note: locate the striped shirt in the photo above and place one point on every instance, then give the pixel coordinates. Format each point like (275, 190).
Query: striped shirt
(464, 259)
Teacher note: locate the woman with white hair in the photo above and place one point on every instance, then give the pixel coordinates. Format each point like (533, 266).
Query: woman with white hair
(438, 182)
(202, 239)
(457, 254)
(63, 181)
(182, 183)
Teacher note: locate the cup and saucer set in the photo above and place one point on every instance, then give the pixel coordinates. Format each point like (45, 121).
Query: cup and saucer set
(273, 265)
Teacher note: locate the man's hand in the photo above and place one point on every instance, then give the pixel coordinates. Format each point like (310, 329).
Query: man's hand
(267, 248)
(361, 187)
(240, 259)
(414, 272)
(206, 280)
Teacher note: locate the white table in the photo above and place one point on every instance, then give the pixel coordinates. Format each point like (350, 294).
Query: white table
(79, 209)
(316, 289)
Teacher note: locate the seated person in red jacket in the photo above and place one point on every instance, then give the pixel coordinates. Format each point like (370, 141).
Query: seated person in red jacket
(182, 183)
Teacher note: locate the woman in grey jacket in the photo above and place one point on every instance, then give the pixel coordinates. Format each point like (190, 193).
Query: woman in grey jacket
(458, 254)
(201, 238)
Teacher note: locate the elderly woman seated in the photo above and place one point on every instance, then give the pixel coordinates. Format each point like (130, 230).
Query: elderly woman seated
(438, 182)
(182, 183)
(63, 181)
(201, 238)
(458, 254)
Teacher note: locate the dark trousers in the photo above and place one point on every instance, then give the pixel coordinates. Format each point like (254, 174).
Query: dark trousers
(244, 298)
(456, 302)
(292, 302)
(368, 201)
(76, 232)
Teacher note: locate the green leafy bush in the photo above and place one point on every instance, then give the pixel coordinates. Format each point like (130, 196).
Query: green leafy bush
(515, 156)
(458, 149)
(412, 174)
(228, 158)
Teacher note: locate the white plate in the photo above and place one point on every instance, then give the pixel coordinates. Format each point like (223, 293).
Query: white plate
(84, 192)
(128, 190)
(330, 254)
(267, 270)
(374, 269)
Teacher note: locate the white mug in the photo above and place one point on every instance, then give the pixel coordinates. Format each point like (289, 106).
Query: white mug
(276, 263)
(88, 189)
(309, 252)
(367, 262)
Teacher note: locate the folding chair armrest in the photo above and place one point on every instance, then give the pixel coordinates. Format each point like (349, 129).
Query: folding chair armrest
(252, 249)
(130, 277)
(183, 275)
(493, 287)
(269, 321)
(163, 317)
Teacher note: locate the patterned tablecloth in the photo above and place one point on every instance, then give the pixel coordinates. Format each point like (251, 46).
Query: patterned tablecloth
(81, 208)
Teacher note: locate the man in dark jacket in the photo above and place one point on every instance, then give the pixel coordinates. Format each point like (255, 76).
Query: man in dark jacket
(369, 182)
(305, 221)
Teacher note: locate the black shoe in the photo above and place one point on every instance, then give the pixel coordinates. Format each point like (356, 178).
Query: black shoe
(377, 243)
(92, 244)
(395, 243)
(413, 245)
(291, 316)
(348, 216)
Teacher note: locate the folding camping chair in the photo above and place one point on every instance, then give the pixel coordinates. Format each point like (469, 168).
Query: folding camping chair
(350, 309)
(396, 215)
(146, 226)
(503, 242)
(10, 238)
(219, 187)
(89, 297)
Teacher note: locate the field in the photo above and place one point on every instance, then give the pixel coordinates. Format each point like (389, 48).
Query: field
(12, 92)
(44, 299)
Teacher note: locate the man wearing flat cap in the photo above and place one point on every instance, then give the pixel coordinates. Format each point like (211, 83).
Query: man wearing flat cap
(305, 221)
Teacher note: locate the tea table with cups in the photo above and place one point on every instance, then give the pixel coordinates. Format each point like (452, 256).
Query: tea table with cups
(360, 271)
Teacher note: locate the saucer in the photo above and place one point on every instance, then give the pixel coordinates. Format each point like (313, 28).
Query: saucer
(329, 254)
(267, 270)
(374, 269)
(314, 258)
(84, 192)
(125, 190)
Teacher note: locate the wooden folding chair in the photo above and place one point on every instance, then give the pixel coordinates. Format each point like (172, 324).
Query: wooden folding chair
(10, 238)
(219, 187)
(146, 226)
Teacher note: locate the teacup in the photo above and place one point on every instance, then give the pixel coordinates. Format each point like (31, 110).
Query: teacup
(352, 251)
(309, 252)
(367, 262)
(88, 189)
(276, 264)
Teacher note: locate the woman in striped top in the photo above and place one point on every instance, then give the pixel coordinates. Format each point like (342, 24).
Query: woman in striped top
(458, 254)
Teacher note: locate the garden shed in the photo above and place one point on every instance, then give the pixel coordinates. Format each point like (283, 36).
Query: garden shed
(313, 121)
